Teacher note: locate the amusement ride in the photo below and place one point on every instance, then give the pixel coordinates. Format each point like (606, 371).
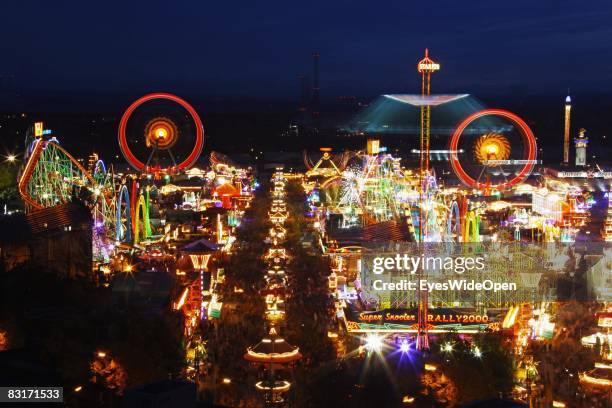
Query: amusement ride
(371, 187)
(120, 205)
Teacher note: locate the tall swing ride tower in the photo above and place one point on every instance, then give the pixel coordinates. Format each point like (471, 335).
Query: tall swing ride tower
(425, 67)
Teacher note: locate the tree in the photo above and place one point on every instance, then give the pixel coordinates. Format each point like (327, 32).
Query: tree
(109, 373)
(309, 303)
(439, 387)
(8, 184)
(77, 321)
(242, 322)
(573, 319)
(479, 368)
(4, 344)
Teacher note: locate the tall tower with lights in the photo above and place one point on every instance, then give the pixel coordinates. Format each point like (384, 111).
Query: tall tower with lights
(566, 131)
(425, 67)
(581, 142)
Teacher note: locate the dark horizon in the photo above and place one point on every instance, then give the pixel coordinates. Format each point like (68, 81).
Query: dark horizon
(114, 103)
(67, 54)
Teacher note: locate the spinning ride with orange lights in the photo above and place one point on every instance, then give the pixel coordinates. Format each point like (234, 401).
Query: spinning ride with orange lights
(161, 134)
(494, 147)
(491, 146)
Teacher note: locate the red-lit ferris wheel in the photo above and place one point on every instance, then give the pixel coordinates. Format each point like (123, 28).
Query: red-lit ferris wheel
(161, 139)
(500, 149)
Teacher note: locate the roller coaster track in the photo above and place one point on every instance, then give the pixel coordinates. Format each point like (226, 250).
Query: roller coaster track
(50, 175)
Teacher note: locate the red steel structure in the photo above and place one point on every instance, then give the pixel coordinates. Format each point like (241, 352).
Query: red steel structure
(74, 172)
(425, 67)
(144, 167)
(530, 149)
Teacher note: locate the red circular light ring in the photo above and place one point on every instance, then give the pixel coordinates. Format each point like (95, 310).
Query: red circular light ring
(199, 143)
(525, 132)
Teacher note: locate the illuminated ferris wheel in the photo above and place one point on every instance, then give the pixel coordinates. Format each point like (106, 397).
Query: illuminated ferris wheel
(161, 133)
(501, 150)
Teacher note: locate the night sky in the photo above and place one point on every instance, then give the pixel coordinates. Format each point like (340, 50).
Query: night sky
(256, 50)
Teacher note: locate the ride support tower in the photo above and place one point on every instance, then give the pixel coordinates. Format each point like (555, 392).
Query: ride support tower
(425, 67)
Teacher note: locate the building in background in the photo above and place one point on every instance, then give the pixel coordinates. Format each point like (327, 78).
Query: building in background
(581, 142)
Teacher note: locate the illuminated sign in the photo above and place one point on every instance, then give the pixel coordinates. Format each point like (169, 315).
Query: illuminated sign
(429, 66)
(406, 321)
(373, 146)
(440, 151)
(584, 174)
(436, 318)
(605, 320)
(500, 162)
(38, 129)
(410, 316)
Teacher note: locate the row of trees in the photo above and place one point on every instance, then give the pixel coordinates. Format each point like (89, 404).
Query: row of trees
(241, 324)
(8, 185)
(562, 358)
(309, 306)
(64, 323)
(472, 368)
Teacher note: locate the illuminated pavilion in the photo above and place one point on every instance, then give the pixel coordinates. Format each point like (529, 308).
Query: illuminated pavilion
(273, 350)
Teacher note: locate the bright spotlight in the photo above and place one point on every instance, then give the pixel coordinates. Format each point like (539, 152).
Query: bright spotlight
(404, 346)
(492, 148)
(373, 342)
(11, 158)
(477, 352)
(448, 347)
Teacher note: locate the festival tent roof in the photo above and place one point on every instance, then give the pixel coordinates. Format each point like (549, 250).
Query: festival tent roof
(200, 246)
(227, 189)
